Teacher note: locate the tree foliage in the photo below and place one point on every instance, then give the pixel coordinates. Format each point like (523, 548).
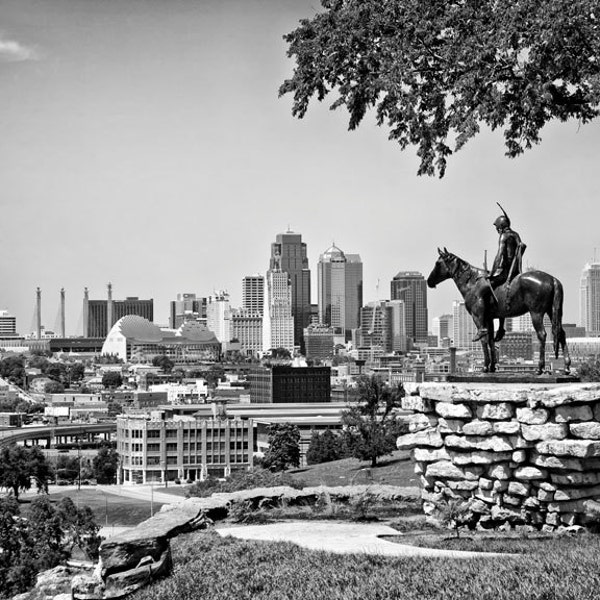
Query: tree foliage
(164, 362)
(105, 465)
(19, 465)
(371, 425)
(589, 370)
(325, 446)
(284, 447)
(12, 368)
(436, 71)
(112, 379)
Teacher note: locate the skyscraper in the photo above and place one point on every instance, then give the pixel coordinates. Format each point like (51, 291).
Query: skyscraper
(382, 326)
(218, 316)
(410, 286)
(187, 307)
(253, 293)
(278, 323)
(589, 299)
(8, 324)
(464, 329)
(442, 329)
(288, 254)
(340, 285)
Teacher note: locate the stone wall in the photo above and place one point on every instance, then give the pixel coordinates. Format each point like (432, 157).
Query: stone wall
(524, 453)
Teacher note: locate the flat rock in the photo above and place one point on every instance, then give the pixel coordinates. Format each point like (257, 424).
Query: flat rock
(574, 448)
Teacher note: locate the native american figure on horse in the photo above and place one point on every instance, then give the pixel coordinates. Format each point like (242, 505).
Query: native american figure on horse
(506, 292)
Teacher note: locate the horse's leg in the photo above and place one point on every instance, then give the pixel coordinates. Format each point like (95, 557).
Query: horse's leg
(486, 354)
(492, 345)
(537, 318)
(483, 339)
(501, 331)
(565, 350)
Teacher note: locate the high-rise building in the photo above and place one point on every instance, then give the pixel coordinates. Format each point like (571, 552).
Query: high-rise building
(382, 325)
(340, 286)
(100, 315)
(247, 329)
(218, 316)
(589, 299)
(410, 286)
(278, 322)
(463, 326)
(8, 324)
(288, 254)
(253, 293)
(187, 307)
(319, 341)
(442, 329)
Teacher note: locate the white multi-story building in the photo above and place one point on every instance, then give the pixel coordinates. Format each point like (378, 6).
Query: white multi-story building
(589, 298)
(463, 327)
(247, 329)
(278, 322)
(218, 316)
(442, 328)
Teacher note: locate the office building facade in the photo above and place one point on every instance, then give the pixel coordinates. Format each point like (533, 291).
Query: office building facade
(340, 290)
(8, 324)
(187, 307)
(287, 385)
(253, 293)
(410, 286)
(589, 299)
(247, 329)
(218, 316)
(278, 322)
(382, 326)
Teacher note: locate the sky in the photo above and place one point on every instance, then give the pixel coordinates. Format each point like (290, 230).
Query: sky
(142, 142)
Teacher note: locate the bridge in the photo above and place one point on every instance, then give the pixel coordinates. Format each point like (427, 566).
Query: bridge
(56, 435)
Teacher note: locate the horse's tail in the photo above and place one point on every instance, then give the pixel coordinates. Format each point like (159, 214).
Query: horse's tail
(557, 312)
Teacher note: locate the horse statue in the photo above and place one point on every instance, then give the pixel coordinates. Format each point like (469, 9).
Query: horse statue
(533, 292)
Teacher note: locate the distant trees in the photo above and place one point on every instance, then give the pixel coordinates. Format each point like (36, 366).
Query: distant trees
(54, 387)
(371, 425)
(164, 362)
(112, 380)
(12, 368)
(105, 465)
(284, 447)
(19, 465)
(325, 446)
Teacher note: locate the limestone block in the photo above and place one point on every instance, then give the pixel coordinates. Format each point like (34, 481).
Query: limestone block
(568, 519)
(453, 411)
(532, 416)
(477, 428)
(506, 427)
(417, 404)
(430, 455)
(419, 468)
(592, 510)
(586, 431)
(450, 425)
(531, 503)
(553, 518)
(519, 456)
(418, 421)
(429, 438)
(575, 448)
(479, 506)
(566, 414)
(444, 469)
(596, 411)
(545, 496)
(428, 508)
(576, 493)
(548, 431)
(545, 485)
(485, 483)
(493, 443)
(576, 478)
(500, 485)
(572, 506)
(513, 501)
(529, 473)
(557, 462)
(473, 473)
(463, 485)
(500, 471)
(561, 394)
(517, 488)
(500, 513)
(478, 457)
(488, 496)
(501, 411)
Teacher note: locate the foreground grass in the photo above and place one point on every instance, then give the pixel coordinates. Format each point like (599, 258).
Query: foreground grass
(207, 566)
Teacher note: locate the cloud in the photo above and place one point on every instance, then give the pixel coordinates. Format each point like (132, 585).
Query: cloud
(11, 51)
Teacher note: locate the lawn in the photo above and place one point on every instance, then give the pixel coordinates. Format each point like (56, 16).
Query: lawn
(207, 566)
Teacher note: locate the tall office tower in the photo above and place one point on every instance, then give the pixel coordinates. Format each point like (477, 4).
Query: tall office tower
(410, 286)
(589, 299)
(464, 329)
(278, 322)
(8, 324)
(100, 315)
(288, 254)
(218, 316)
(253, 293)
(340, 286)
(382, 325)
(442, 328)
(247, 328)
(187, 307)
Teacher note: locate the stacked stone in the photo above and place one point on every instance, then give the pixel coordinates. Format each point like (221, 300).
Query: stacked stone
(523, 454)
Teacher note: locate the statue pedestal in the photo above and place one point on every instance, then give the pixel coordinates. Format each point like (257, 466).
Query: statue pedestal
(507, 377)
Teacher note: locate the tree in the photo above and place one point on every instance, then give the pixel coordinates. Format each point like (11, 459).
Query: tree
(112, 379)
(371, 426)
(164, 362)
(589, 370)
(325, 447)
(12, 368)
(436, 71)
(105, 465)
(79, 528)
(284, 447)
(75, 372)
(54, 387)
(19, 465)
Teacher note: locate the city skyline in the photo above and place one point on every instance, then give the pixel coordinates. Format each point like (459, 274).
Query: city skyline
(144, 144)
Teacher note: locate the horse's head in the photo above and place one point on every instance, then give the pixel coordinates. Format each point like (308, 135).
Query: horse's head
(443, 269)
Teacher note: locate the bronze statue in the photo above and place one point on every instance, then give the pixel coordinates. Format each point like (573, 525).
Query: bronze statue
(535, 292)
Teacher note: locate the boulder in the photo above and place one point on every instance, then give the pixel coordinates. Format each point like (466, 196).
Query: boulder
(453, 411)
(529, 473)
(532, 416)
(586, 431)
(500, 471)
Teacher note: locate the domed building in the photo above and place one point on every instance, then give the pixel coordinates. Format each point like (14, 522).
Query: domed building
(133, 338)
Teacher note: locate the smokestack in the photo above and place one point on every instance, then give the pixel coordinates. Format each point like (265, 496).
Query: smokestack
(86, 312)
(109, 309)
(62, 312)
(38, 313)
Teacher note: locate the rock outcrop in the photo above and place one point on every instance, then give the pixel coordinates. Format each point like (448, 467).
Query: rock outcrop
(522, 453)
